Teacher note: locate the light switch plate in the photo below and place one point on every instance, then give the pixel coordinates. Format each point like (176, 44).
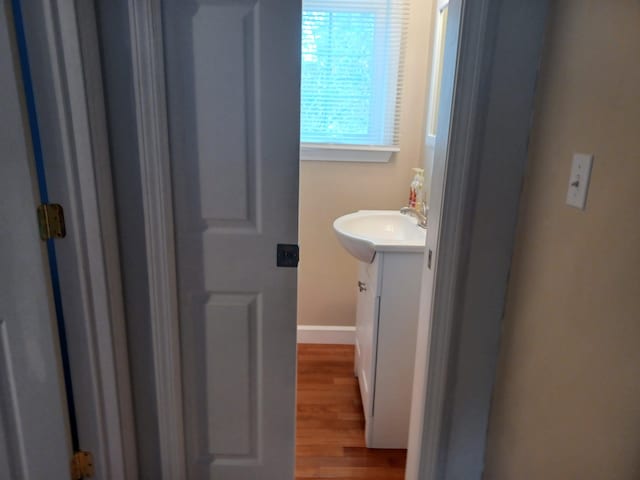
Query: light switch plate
(579, 180)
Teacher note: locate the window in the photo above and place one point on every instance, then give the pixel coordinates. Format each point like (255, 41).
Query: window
(351, 78)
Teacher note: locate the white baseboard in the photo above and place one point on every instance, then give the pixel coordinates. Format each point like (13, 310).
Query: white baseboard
(326, 334)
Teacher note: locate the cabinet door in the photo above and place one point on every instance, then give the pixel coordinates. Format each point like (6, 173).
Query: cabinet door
(366, 329)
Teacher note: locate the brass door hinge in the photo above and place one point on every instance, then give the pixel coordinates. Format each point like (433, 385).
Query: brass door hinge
(81, 465)
(51, 221)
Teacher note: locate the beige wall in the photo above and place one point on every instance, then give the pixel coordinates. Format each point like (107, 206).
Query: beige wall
(567, 399)
(327, 274)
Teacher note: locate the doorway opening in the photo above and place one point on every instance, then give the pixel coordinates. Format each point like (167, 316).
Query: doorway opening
(212, 196)
(361, 267)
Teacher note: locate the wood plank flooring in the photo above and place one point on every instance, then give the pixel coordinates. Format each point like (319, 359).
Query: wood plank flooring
(330, 422)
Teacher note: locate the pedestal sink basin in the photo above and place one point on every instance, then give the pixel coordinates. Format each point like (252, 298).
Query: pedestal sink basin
(366, 232)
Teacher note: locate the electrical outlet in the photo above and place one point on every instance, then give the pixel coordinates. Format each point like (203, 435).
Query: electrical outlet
(579, 180)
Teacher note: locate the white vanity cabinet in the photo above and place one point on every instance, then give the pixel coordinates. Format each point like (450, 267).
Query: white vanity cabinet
(387, 313)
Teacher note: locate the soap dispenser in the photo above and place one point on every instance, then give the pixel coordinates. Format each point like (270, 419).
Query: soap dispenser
(416, 187)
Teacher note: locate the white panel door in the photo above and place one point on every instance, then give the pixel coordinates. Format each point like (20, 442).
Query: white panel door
(232, 70)
(34, 442)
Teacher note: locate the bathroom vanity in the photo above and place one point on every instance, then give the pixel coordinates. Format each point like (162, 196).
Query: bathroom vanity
(388, 292)
(390, 250)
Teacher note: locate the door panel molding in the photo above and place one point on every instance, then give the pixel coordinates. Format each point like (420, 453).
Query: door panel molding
(239, 136)
(226, 329)
(153, 153)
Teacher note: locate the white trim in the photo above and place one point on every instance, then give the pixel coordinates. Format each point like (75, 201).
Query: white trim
(69, 96)
(486, 149)
(333, 334)
(346, 153)
(113, 368)
(453, 157)
(439, 34)
(151, 116)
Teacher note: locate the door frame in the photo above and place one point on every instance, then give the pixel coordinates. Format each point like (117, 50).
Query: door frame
(483, 158)
(149, 90)
(63, 54)
(486, 153)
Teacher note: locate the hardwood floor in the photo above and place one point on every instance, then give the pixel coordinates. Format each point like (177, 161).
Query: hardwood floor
(330, 422)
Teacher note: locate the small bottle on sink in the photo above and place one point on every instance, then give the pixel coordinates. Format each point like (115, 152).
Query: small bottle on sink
(415, 189)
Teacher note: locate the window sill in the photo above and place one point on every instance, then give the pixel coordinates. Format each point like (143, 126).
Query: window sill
(346, 153)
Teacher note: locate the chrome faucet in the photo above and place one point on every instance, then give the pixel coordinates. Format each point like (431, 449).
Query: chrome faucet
(420, 215)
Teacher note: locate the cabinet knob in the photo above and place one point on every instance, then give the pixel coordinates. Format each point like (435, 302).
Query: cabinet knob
(362, 286)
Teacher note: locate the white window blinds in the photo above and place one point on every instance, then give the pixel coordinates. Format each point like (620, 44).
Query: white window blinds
(352, 71)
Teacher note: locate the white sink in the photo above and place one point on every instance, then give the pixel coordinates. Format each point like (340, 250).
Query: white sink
(366, 232)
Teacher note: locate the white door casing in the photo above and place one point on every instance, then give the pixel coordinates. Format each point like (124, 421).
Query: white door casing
(32, 399)
(492, 53)
(232, 72)
(420, 451)
(64, 59)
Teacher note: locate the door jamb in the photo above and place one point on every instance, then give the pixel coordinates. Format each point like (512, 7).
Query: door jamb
(484, 158)
(147, 53)
(68, 52)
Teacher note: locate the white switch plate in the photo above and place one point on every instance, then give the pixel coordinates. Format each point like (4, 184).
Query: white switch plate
(579, 180)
